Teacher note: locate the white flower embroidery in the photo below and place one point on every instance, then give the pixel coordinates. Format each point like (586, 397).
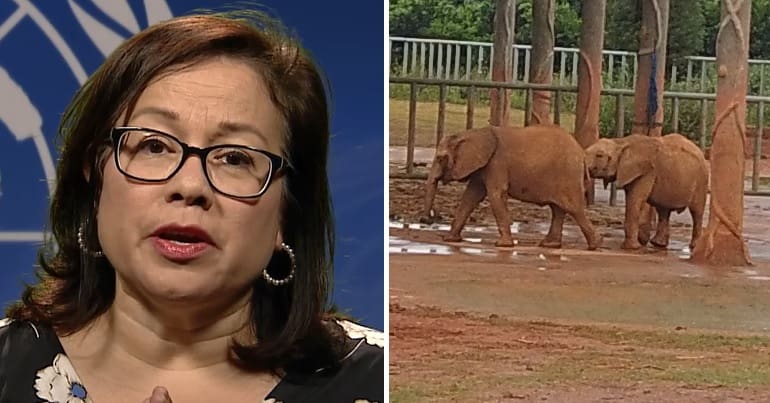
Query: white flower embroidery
(272, 400)
(59, 383)
(356, 331)
(363, 401)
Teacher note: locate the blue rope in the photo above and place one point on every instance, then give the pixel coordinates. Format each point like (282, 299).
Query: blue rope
(652, 94)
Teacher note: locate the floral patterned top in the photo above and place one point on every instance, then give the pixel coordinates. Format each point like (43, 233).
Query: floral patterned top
(35, 368)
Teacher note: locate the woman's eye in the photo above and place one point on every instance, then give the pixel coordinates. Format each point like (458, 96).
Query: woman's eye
(236, 158)
(153, 146)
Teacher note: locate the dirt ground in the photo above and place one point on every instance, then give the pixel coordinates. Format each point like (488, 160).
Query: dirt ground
(471, 322)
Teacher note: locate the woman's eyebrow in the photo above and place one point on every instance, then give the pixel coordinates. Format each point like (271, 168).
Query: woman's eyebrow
(228, 127)
(157, 110)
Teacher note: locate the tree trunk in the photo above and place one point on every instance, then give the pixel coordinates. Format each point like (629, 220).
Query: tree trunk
(502, 61)
(722, 242)
(541, 67)
(590, 76)
(648, 107)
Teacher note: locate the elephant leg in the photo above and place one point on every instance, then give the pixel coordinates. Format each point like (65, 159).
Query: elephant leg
(696, 212)
(636, 197)
(473, 195)
(553, 238)
(662, 231)
(497, 199)
(593, 239)
(645, 223)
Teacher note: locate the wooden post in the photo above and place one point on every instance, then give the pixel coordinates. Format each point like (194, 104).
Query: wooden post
(541, 68)
(722, 241)
(652, 44)
(590, 76)
(502, 61)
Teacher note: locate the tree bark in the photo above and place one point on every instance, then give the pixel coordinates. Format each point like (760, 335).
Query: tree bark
(502, 61)
(541, 67)
(722, 242)
(590, 76)
(653, 38)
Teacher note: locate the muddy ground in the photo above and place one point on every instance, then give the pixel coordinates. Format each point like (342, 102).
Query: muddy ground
(472, 322)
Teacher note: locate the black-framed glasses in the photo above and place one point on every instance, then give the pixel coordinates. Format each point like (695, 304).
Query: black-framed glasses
(151, 155)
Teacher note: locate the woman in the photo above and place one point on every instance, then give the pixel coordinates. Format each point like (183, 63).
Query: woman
(194, 233)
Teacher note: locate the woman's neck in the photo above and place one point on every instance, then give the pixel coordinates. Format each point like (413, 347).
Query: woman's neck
(167, 337)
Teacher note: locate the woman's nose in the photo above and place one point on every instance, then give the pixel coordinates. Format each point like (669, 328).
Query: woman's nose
(191, 185)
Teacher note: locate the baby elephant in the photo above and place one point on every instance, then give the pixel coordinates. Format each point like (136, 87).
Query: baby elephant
(540, 164)
(668, 172)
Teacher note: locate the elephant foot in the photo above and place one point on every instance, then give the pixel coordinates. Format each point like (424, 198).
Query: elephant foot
(595, 243)
(504, 242)
(427, 220)
(550, 243)
(644, 236)
(659, 243)
(630, 244)
(453, 238)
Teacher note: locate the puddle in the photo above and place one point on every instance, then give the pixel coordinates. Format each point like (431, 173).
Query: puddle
(761, 278)
(403, 246)
(398, 245)
(515, 227)
(478, 252)
(759, 248)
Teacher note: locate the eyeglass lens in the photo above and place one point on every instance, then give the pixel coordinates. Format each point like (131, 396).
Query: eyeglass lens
(238, 171)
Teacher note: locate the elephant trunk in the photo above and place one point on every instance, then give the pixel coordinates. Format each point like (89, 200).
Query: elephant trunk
(431, 185)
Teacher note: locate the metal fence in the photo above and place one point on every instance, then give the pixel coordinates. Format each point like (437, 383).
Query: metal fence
(558, 92)
(468, 60)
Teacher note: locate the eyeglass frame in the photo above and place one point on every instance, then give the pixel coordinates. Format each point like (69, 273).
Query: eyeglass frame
(277, 163)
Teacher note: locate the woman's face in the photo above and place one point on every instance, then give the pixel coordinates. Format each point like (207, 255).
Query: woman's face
(181, 240)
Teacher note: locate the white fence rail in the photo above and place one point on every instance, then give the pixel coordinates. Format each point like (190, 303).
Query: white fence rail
(468, 60)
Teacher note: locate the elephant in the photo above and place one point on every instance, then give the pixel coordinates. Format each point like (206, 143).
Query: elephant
(540, 164)
(669, 173)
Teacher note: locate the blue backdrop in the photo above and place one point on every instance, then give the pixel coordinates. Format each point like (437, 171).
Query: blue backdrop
(48, 48)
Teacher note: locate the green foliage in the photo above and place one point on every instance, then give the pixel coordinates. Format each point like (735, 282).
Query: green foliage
(442, 19)
(711, 26)
(621, 27)
(759, 41)
(567, 24)
(693, 24)
(410, 17)
(685, 31)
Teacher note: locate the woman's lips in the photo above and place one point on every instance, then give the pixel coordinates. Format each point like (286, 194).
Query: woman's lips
(181, 243)
(179, 251)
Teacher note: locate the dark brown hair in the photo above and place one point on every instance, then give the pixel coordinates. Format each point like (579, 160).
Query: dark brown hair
(75, 288)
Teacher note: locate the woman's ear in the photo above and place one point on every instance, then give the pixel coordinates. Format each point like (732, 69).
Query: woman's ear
(87, 173)
(278, 240)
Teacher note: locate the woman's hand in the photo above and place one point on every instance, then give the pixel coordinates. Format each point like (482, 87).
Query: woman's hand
(159, 395)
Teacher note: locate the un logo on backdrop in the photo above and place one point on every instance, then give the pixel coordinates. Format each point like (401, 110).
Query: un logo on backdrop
(47, 50)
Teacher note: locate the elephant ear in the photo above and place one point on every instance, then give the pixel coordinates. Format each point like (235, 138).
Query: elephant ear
(471, 152)
(635, 160)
